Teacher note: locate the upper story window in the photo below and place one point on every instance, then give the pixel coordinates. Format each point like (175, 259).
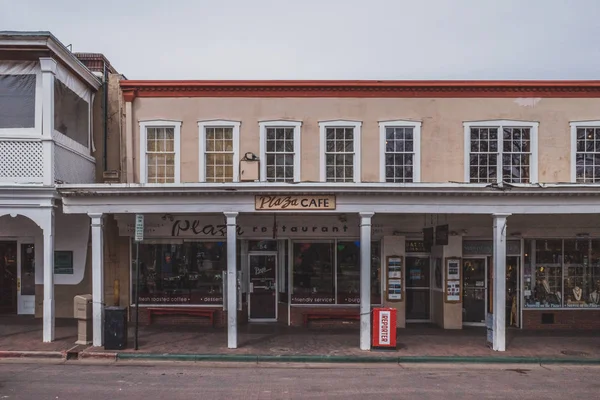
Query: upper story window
(159, 151)
(72, 113)
(219, 151)
(400, 151)
(340, 151)
(18, 83)
(501, 151)
(585, 152)
(280, 151)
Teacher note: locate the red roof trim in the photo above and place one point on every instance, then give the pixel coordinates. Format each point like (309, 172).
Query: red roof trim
(363, 88)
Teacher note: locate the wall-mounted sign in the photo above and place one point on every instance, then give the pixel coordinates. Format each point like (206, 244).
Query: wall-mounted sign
(294, 202)
(63, 262)
(395, 276)
(486, 247)
(453, 280)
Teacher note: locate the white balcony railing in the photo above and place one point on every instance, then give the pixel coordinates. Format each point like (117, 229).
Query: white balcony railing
(24, 160)
(21, 161)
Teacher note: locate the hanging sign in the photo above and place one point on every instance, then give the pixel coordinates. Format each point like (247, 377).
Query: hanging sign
(294, 202)
(139, 227)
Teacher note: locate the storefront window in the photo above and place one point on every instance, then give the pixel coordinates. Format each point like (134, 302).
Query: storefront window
(184, 273)
(565, 273)
(313, 273)
(345, 255)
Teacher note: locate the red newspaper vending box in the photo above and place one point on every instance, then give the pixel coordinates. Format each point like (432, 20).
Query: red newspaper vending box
(384, 328)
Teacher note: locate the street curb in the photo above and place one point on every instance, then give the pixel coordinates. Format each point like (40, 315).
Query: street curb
(354, 359)
(32, 354)
(97, 356)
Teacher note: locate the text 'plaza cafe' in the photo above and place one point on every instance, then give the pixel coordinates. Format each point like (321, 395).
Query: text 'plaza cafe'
(298, 258)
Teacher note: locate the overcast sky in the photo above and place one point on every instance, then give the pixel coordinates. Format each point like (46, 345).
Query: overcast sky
(326, 39)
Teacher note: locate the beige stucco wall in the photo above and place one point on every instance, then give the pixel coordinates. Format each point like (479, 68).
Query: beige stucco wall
(442, 145)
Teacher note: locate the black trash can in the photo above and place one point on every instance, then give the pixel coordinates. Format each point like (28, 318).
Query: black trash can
(115, 328)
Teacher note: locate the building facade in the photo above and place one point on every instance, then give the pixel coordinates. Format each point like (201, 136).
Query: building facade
(455, 203)
(52, 125)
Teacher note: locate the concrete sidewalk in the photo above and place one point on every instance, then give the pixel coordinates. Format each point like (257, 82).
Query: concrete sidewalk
(418, 343)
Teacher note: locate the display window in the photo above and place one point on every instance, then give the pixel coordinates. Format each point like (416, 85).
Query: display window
(328, 272)
(188, 273)
(562, 273)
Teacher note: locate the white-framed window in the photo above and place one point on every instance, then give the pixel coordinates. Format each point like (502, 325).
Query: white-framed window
(21, 95)
(219, 151)
(160, 151)
(400, 155)
(280, 151)
(340, 151)
(585, 151)
(501, 151)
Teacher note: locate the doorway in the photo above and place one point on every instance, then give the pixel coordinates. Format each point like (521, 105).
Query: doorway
(474, 291)
(262, 296)
(418, 289)
(8, 278)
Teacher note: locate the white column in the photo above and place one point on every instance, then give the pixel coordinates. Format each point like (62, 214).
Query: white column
(365, 280)
(48, 67)
(499, 297)
(231, 280)
(49, 314)
(97, 279)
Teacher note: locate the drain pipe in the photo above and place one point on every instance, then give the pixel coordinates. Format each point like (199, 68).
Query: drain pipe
(105, 136)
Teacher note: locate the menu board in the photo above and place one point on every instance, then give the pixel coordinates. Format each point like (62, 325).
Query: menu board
(395, 276)
(453, 280)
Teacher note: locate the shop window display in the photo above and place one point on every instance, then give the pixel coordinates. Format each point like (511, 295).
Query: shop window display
(562, 273)
(185, 273)
(321, 268)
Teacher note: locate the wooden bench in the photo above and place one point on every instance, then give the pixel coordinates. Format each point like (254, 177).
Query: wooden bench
(353, 315)
(198, 312)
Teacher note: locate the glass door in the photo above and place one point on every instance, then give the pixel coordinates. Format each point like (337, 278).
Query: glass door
(418, 289)
(26, 275)
(8, 278)
(474, 290)
(263, 286)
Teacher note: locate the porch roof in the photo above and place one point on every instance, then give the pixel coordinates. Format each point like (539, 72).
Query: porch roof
(422, 198)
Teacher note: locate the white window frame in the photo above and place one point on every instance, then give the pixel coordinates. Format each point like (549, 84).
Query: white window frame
(33, 68)
(401, 123)
(357, 125)
(263, 125)
(500, 124)
(163, 123)
(574, 126)
(218, 123)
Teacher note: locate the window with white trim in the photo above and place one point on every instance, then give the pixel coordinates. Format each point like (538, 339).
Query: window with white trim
(400, 151)
(585, 152)
(219, 149)
(501, 151)
(159, 158)
(340, 151)
(280, 151)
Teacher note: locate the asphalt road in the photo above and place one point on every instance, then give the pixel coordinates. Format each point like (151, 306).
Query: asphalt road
(187, 381)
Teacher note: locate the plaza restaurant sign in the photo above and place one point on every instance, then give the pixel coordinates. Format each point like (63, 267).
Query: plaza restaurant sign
(248, 226)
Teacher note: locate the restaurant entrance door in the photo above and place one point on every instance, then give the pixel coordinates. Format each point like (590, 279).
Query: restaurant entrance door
(262, 296)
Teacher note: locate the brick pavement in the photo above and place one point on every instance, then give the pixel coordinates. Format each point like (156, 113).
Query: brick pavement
(25, 334)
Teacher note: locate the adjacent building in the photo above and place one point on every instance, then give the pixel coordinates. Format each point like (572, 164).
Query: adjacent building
(454, 202)
(53, 126)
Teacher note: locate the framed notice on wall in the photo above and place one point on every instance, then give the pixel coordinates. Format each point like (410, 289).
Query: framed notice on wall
(395, 278)
(453, 280)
